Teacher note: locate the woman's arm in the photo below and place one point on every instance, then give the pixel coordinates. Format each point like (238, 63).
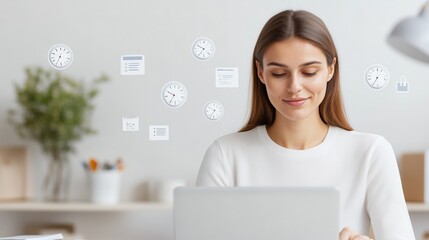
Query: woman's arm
(384, 196)
(214, 170)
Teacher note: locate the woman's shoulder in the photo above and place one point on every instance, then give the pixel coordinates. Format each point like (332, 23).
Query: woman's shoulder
(240, 137)
(358, 137)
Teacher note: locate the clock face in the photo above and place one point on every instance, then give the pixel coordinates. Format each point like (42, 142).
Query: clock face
(203, 48)
(60, 56)
(174, 94)
(213, 110)
(377, 76)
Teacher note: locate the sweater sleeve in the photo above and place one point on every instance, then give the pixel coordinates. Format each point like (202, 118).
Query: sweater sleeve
(385, 199)
(214, 170)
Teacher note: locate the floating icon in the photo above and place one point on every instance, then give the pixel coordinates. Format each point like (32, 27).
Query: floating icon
(403, 86)
(130, 124)
(132, 65)
(159, 133)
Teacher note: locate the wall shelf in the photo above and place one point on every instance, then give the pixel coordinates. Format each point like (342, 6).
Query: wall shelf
(121, 207)
(80, 207)
(418, 207)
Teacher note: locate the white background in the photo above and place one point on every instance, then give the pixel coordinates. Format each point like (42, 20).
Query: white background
(101, 31)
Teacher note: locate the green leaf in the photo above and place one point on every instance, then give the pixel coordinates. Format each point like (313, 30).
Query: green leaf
(53, 109)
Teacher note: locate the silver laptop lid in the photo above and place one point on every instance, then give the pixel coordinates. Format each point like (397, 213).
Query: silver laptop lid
(256, 213)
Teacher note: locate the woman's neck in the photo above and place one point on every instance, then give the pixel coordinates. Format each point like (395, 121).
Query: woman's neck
(298, 135)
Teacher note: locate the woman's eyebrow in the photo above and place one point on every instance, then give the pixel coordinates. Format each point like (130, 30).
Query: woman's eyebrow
(310, 63)
(285, 66)
(277, 64)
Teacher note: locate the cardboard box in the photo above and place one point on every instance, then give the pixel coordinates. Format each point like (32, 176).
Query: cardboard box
(415, 176)
(13, 174)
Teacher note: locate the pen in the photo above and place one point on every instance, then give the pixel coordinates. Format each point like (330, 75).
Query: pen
(85, 165)
(108, 166)
(93, 164)
(120, 164)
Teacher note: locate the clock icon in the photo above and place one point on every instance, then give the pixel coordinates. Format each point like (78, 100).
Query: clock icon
(60, 56)
(377, 76)
(203, 48)
(174, 94)
(213, 110)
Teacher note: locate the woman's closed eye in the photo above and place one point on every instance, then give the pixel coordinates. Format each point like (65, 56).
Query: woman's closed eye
(278, 74)
(309, 74)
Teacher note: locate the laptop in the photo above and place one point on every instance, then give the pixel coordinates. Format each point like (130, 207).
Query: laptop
(256, 213)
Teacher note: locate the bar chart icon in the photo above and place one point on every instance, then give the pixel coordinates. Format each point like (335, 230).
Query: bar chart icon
(132, 65)
(403, 86)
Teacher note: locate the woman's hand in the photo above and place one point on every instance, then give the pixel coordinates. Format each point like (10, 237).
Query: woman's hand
(347, 234)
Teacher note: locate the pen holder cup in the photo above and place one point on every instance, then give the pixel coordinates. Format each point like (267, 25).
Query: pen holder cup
(105, 187)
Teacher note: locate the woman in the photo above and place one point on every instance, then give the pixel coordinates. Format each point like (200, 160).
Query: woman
(297, 133)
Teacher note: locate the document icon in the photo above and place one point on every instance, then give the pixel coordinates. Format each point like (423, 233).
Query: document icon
(227, 77)
(132, 65)
(159, 133)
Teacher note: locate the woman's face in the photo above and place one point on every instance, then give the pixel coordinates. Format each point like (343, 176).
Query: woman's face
(295, 73)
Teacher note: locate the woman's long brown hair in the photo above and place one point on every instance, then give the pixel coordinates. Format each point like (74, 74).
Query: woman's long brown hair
(306, 26)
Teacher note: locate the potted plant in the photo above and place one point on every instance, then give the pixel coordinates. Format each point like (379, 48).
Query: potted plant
(54, 111)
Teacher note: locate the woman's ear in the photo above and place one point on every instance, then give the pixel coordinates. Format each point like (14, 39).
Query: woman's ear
(331, 69)
(259, 70)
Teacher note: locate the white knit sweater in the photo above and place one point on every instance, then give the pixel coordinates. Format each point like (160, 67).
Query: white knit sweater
(362, 166)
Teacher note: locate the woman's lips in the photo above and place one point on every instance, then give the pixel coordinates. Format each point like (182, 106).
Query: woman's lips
(296, 102)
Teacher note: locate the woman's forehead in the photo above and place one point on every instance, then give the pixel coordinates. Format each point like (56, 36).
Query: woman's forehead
(293, 52)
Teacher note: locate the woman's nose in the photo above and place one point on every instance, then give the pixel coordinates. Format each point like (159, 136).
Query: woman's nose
(294, 84)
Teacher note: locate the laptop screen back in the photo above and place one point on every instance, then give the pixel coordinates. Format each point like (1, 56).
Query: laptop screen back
(255, 213)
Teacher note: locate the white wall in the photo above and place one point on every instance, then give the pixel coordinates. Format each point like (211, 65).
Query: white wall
(99, 32)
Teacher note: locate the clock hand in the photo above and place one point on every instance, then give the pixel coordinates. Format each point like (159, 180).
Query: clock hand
(59, 58)
(173, 97)
(375, 80)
